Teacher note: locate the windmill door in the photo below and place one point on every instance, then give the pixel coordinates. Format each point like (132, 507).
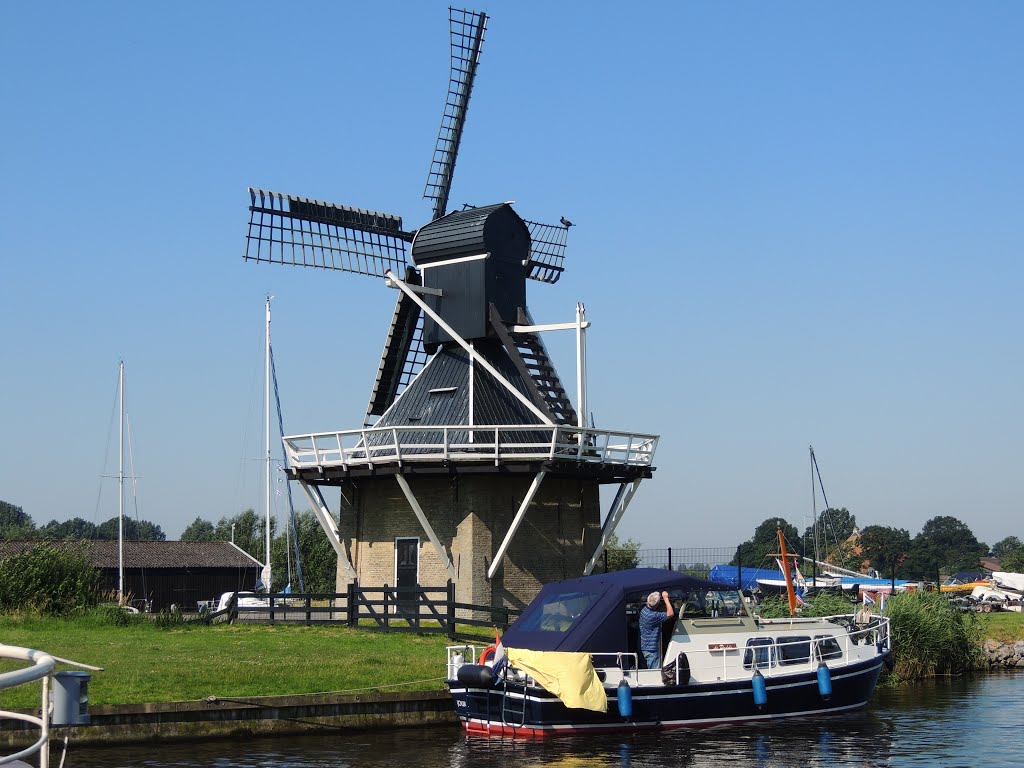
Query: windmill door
(407, 567)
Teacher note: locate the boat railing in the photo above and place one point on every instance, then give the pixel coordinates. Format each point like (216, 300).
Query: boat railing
(40, 669)
(724, 660)
(491, 443)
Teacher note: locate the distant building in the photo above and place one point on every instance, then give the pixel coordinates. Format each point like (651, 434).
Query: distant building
(165, 573)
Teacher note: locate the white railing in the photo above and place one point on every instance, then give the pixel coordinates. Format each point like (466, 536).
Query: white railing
(42, 667)
(491, 443)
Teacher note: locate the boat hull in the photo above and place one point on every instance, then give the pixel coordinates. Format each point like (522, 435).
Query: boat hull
(531, 712)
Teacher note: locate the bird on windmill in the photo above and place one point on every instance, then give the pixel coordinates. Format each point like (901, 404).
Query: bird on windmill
(462, 361)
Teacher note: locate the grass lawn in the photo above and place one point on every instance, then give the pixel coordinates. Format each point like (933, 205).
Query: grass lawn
(1004, 626)
(145, 663)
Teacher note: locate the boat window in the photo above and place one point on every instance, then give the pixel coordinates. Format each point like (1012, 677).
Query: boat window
(826, 647)
(760, 653)
(556, 613)
(795, 649)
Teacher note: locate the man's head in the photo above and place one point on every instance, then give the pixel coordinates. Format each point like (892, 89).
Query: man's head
(652, 599)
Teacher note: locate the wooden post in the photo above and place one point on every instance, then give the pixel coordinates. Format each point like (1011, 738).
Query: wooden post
(353, 607)
(387, 618)
(451, 608)
(309, 603)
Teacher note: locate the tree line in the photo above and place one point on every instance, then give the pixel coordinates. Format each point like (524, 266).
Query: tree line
(15, 523)
(945, 545)
(246, 529)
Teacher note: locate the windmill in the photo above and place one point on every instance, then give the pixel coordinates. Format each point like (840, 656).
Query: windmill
(465, 395)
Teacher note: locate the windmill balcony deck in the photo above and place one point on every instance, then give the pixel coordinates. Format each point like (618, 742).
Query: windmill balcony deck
(608, 455)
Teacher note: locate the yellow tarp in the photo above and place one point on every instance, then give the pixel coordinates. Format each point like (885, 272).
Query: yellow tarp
(570, 676)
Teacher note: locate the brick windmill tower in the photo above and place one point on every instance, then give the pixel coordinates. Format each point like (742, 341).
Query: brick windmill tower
(472, 463)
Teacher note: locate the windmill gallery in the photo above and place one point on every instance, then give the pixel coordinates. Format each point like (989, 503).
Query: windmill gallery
(472, 463)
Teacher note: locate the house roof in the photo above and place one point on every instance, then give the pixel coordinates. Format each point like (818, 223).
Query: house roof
(151, 554)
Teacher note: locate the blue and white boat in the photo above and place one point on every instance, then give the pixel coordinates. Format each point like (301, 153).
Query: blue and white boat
(571, 662)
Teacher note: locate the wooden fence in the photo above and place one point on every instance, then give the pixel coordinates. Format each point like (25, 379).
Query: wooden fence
(389, 609)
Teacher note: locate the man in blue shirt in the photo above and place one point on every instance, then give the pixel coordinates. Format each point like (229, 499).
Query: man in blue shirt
(650, 627)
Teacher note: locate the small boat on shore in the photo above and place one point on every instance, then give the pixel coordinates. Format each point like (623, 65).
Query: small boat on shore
(571, 663)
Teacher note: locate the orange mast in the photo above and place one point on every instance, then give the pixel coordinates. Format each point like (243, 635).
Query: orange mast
(787, 573)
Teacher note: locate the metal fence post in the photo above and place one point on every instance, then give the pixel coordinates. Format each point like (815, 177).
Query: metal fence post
(670, 558)
(739, 570)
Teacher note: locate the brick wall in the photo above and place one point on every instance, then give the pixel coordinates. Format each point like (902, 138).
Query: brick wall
(471, 515)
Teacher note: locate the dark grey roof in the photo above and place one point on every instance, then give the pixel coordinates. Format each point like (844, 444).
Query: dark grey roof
(151, 554)
(495, 229)
(440, 394)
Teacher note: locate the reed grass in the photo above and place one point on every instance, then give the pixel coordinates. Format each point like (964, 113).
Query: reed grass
(931, 637)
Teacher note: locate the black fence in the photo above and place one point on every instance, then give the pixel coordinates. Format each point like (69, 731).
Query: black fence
(418, 609)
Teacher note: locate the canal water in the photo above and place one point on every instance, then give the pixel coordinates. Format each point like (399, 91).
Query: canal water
(966, 722)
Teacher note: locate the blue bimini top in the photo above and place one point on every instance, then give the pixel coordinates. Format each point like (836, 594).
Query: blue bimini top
(588, 614)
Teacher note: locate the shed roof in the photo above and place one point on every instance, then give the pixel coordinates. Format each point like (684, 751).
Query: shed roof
(150, 554)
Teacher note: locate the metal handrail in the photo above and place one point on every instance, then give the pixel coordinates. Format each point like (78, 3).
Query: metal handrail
(388, 445)
(42, 667)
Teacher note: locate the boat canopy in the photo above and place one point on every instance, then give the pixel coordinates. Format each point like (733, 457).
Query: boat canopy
(588, 614)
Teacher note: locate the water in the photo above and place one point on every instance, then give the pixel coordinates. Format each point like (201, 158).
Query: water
(960, 723)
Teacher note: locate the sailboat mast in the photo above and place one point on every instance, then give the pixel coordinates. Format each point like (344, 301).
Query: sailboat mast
(266, 432)
(120, 484)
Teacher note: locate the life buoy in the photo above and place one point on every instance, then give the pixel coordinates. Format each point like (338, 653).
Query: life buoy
(488, 652)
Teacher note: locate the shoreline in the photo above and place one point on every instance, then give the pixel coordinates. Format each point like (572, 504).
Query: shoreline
(233, 717)
(254, 716)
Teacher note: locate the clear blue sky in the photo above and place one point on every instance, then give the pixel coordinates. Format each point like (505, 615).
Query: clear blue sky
(797, 223)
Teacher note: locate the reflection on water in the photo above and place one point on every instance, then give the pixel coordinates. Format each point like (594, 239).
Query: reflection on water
(954, 723)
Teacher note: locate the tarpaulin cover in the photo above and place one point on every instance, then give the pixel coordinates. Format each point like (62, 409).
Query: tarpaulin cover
(589, 614)
(570, 676)
(730, 573)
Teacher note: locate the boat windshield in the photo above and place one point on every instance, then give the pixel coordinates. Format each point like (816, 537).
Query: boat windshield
(557, 612)
(709, 605)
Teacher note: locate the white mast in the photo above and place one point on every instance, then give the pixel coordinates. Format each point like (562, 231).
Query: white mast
(266, 425)
(120, 485)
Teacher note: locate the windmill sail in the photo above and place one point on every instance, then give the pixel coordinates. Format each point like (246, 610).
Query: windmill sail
(547, 251)
(285, 229)
(467, 39)
(403, 356)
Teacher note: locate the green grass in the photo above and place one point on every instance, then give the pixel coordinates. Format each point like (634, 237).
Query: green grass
(1004, 626)
(146, 663)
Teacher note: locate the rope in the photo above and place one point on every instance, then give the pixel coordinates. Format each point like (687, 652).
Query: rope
(288, 485)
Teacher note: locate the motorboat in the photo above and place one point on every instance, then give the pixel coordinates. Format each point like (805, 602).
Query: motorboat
(571, 663)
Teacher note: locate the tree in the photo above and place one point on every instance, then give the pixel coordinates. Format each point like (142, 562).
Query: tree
(754, 553)
(14, 523)
(885, 547)
(319, 560)
(833, 527)
(76, 528)
(1006, 546)
(944, 544)
(246, 531)
(199, 530)
(1013, 561)
(134, 530)
(622, 555)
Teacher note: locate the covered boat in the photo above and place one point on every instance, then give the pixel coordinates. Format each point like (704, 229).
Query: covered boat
(571, 662)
